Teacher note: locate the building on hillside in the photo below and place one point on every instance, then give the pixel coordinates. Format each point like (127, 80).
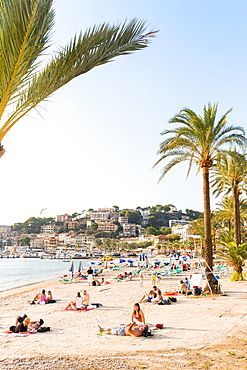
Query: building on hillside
(182, 230)
(5, 229)
(160, 239)
(129, 230)
(37, 242)
(123, 220)
(178, 222)
(49, 229)
(52, 241)
(145, 213)
(82, 240)
(71, 225)
(141, 230)
(63, 218)
(104, 214)
(107, 227)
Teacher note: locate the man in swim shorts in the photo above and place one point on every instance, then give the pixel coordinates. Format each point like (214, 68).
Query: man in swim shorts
(131, 330)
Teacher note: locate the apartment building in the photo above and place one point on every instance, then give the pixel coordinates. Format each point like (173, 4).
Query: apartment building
(182, 230)
(178, 222)
(129, 230)
(107, 227)
(123, 220)
(49, 229)
(104, 214)
(82, 240)
(5, 229)
(63, 218)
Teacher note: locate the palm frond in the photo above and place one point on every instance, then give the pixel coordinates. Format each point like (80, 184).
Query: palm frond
(23, 84)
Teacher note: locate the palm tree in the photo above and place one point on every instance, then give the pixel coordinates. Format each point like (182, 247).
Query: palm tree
(229, 176)
(225, 210)
(199, 140)
(235, 255)
(25, 80)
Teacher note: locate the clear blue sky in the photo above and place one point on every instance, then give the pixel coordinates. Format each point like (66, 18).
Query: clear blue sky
(94, 143)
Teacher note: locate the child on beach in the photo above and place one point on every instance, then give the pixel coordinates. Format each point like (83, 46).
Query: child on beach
(153, 278)
(141, 279)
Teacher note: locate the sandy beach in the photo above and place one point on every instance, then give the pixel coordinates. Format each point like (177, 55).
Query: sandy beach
(198, 330)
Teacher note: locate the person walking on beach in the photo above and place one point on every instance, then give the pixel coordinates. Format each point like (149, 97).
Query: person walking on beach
(90, 276)
(138, 315)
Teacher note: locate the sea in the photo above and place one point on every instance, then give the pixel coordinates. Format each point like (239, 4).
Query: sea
(18, 272)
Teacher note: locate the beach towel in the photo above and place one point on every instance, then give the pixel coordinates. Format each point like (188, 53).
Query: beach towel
(170, 293)
(79, 309)
(17, 334)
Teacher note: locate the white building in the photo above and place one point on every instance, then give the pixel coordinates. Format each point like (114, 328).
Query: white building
(178, 222)
(182, 230)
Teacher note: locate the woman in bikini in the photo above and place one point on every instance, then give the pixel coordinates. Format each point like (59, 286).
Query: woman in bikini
(138, 315)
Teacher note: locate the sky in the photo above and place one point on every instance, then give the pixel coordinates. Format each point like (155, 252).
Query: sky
(94, 143)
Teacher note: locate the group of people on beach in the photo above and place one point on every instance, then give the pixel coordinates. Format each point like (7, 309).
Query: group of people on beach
(42, 298)
(135, 328)
(81, 301)
(24, 325)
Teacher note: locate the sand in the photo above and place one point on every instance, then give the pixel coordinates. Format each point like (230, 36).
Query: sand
(194, 326)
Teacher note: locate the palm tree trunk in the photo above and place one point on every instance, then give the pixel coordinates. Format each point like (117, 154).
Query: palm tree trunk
(237, 233)
(207, 228)
(2, 150)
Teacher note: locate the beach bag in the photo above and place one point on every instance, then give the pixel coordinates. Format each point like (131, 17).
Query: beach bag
(197, 291)
(172, 299)
(96, 305)
(147, 334)
(43, 329)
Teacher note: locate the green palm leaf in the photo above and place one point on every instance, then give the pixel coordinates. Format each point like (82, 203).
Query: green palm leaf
(26, 27)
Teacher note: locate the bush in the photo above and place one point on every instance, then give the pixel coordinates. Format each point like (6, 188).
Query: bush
(236, 276)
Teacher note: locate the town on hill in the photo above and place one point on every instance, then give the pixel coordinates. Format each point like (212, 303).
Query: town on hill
(110, 228)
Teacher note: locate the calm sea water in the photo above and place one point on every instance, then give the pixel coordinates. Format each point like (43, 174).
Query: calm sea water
(17, 272)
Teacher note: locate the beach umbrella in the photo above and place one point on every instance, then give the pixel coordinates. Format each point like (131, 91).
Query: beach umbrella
(80, 266)
(130, 261)
(121, 260)
(71, 269)
(157, 262)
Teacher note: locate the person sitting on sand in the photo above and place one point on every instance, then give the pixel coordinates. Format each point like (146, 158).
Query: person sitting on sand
(157, 291)
(148, 297)
(77, 305)
(138, 315)
(21, 325)
(131, 330)
(182, 288)
(154, 296)
(40, 298)
(85, 299)
(49, 298)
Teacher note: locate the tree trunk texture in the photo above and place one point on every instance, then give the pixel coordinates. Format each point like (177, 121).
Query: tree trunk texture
(2, 150)
(237, 232)
(208, 250)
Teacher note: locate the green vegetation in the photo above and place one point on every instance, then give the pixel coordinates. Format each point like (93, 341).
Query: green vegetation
(202, 141)
(235, 255)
